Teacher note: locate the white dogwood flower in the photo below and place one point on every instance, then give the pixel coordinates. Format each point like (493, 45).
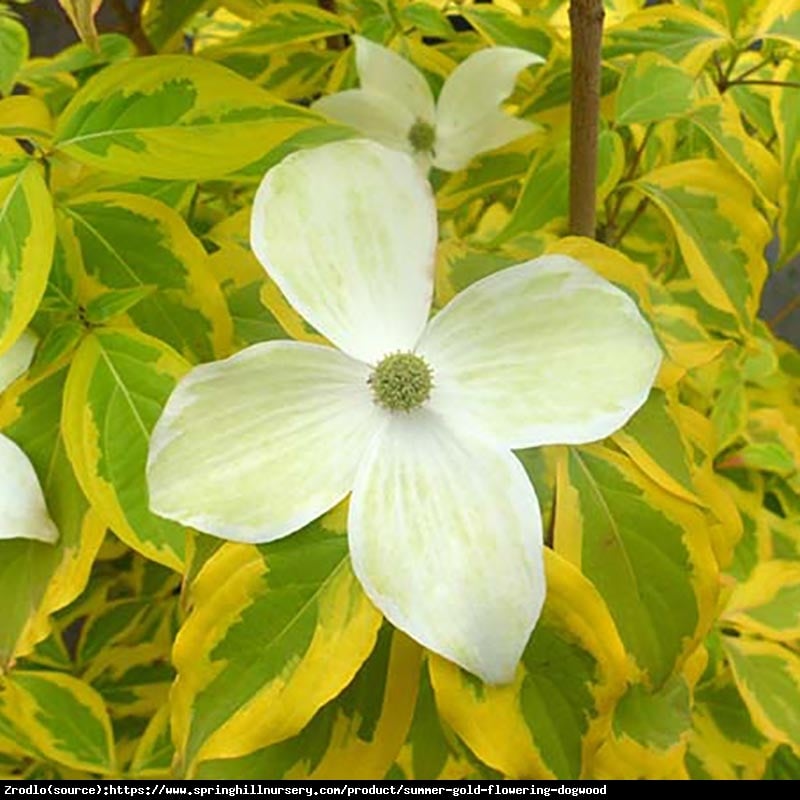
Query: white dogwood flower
(23, 512)
(396, 107)
(415, 419)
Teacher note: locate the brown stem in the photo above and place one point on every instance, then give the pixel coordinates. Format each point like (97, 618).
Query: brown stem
(586, 25)
(631, 221)
(612, 210)
(637, 156)
(724, 80)
(787, 310)
(718, 66)
(751, 70)
(731, 66)
(133, 27)
(789, 84)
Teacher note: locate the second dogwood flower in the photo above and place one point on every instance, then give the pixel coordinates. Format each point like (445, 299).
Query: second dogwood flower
(395, 105)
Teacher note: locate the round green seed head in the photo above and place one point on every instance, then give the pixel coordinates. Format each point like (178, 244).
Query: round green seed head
(422, 137)
(401, 382)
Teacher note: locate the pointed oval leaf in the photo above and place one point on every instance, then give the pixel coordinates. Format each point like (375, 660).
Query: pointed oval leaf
(138, 249)
(276, 26)
(27, 235)
(154, 751)
(549, 722)
(721, 120)
(118, 383)
(58, 342)
(371, 718)
(275, 632)
(653, 88)
(721, 234)
(500, 26)
(357, 735)
(767, 675)
(644, 549)
(648, 734)
(542, 200)
(681, 34)
(65, 717)
(433, 751)
(163, 21)
(174, 117)
(724, 744)
(37, 579)
(81, 14)
(768, 602)
(653, 439)
(784, 114)
(13, 51)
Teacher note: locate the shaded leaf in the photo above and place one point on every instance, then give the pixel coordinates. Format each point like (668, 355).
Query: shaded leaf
(64, 716)
(13, 51)
(649, 734)
(767, 675)
(81, 14)
(768, 602)
(681, 34)
(163, 21)
(653, 88)
(654, 441)
(724, 744)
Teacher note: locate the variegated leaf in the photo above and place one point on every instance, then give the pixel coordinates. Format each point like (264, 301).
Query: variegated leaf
(647, 552)
(37, 579)
(357, 735)
(65, 718)
(134, 244)
(720, 232)
(549, 721)
(27, 234)
(117, 385)
(175, 117)
(275, 632)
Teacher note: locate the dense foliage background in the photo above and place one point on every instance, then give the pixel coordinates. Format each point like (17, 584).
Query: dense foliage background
(670, 642)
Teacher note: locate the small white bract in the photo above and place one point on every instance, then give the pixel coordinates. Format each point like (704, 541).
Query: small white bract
(23, 513)
(415, 418)
(396, 107)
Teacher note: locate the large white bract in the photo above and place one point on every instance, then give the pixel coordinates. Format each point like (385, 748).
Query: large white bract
(444, 526)
(23, 512)
(396, 107)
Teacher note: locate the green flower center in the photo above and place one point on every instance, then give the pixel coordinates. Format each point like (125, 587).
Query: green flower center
(401, 382)
(422, 136)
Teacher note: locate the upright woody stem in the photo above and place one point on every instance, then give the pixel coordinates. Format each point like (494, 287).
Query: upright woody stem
(586, 24)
